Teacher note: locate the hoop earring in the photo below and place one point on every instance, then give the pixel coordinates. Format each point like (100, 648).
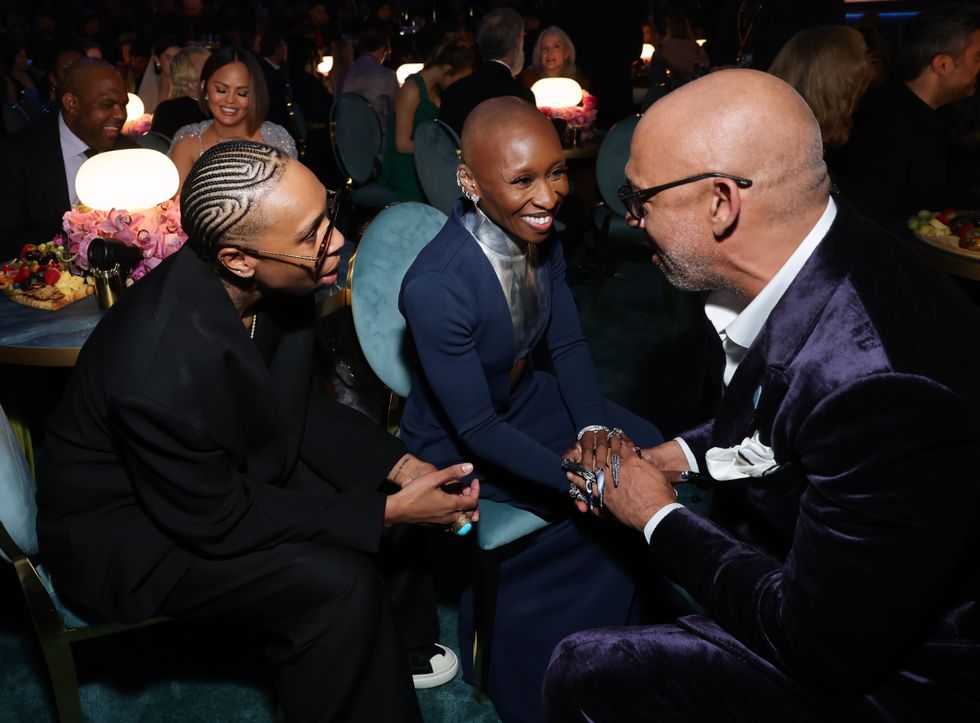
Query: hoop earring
(473, 197)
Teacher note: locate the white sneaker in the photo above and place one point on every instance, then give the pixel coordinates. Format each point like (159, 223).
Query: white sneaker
(432, 665)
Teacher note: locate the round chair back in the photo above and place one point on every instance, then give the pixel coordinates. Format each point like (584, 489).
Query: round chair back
(436, 161)
(610, 162)
(355, 134)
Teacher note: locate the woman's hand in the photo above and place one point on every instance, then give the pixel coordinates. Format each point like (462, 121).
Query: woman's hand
(408, 468)
(434, 498)
(642, 489)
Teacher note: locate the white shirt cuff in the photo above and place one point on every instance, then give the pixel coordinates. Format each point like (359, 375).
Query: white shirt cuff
(692, 461)
(655, 520)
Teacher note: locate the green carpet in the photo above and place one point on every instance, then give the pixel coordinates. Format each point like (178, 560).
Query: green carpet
(647, 347)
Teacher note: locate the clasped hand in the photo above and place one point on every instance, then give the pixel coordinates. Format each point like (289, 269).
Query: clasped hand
(643, 483)
(433, 496)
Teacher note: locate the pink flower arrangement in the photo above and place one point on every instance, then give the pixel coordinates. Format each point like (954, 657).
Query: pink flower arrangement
(156, 232)
(579, 116)
(135, 128)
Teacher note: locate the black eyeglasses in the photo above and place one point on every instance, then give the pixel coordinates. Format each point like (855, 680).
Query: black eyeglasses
(333, 211)
(634, 200)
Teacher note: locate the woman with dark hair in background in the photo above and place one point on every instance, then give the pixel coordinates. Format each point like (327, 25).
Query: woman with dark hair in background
(237, 100)
(155, 85)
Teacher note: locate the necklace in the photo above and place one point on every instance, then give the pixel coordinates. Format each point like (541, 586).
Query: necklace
(255, 318)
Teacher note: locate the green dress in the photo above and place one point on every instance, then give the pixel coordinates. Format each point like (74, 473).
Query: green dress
(398, 169)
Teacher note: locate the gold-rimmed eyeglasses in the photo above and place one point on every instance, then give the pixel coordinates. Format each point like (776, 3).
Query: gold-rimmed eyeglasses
(333, 211)
(634, 200)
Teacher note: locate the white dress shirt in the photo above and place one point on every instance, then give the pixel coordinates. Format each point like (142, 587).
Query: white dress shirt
(73, 151)
(738, 323)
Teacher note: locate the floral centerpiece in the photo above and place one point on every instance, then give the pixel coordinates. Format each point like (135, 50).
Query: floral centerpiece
(138, 126)
(580, 116)
(155, 231)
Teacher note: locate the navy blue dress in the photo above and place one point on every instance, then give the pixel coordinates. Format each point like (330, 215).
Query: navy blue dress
(576, 573)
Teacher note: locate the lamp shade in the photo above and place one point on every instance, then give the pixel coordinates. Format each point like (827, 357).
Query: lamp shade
(134, 107)
(647, 52)
(130, 179)
(556, 93)
(325, 65)
(406, 70)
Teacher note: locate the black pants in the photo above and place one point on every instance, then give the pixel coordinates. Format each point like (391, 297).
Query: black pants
(336, 644)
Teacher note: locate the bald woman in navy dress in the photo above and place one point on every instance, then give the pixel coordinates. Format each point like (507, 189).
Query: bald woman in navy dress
(486, 291)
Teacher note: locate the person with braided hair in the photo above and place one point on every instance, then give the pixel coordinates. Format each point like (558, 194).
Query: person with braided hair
(196, 468)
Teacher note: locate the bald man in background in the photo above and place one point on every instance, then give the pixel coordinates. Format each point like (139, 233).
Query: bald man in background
(840, 575)
(37, 184)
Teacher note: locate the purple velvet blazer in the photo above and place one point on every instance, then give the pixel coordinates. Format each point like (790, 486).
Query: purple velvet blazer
(855, 562)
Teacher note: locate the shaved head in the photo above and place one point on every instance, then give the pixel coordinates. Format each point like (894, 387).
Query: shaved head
(512, 163)
(715, 233)
(496, 119)
(742, 122)
(81, 74)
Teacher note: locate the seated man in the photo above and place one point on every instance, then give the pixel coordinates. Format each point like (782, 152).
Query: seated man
(899, 160)
(195, 468)
(500, 39)
(370, 78)
(840, 581)
(39, 163)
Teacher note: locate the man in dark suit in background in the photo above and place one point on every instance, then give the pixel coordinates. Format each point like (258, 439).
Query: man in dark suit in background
(39, 164)
(840, 578)
(500, 39)
(900, 159)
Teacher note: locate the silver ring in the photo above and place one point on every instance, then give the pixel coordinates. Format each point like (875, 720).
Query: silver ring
(615, 432)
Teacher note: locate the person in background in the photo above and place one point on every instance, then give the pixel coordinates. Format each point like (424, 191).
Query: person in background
(18, 83)
(553, 57)
(40, 162)
(899, 160)
(500, 39)
(57, 69)
(369, 77)
(236, 99)
(840, 572)
(830, 67)
(418, 102)
(184, 105)
(273, 54)
(311, 94)
(155, 85)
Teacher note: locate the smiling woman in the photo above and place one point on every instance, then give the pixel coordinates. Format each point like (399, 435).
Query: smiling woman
(235, 97)
(488, 290)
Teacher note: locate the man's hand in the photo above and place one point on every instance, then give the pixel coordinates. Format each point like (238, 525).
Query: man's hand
(434, 498)
(667, 456)
(643, 489)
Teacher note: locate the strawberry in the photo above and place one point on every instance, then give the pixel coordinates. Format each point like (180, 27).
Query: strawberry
(51, 276)
(23, 273)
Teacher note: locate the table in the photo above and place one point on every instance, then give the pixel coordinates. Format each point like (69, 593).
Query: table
(950, 262)
(35, 337)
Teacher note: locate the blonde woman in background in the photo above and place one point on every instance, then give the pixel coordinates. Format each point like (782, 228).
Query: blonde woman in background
(553, 57)
(829, 66)
(182, 108)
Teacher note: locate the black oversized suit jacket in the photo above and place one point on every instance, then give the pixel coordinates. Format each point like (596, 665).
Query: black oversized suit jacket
(489, 80)
(176, 440)
(857, 557)
(33, 186)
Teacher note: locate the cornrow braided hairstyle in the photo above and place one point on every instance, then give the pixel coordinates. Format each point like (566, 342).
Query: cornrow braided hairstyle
(223, 186)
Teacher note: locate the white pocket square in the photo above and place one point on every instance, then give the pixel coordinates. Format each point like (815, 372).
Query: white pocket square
(751, 458)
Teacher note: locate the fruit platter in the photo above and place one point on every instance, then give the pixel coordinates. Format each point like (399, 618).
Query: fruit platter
(951, 230)
(39, 278)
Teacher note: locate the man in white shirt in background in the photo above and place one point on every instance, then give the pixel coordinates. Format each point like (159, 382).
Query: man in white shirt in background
(839, 572)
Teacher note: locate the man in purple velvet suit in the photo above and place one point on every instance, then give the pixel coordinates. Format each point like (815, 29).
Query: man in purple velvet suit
(840, 575)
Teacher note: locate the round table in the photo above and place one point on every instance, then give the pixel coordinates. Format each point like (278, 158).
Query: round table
(35, 337)
(964, 264)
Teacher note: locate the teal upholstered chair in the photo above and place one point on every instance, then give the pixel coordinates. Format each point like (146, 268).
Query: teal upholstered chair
(436, 160)
(155, 141)
(609, 215)
(355, 136)
(56, 625)
(388, 247)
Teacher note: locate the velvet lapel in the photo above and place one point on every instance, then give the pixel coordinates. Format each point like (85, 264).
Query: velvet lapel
(55, 162)
(758, 386)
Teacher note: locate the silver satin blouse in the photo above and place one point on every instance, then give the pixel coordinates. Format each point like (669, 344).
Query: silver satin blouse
(518, 269)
